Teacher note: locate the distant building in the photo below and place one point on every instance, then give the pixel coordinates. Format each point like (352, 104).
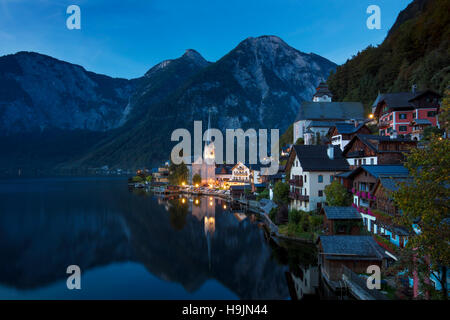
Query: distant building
(319, 117)
(371, 149)
(355, 252)
(311, 169)
(341, 133)
(341, 220)
(397, 111)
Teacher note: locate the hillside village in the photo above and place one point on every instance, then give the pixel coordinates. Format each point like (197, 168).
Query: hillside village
(336, 149)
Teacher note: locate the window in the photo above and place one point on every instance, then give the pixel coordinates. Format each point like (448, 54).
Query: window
(331, 178)
(402, 116)
(320, 193)
(364, 161)
(390, 117)
(431, 113)
(305, 178)
(372, 161)
(402, 128)
(320, 178)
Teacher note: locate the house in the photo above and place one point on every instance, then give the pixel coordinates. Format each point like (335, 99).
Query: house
(223, 174)
(396, 111)
(161, 175)
(240, 173)
(363, 180)
(371, 149)
(319, 117)
(341, 220)
(341, 133)
(355, 252)
(311, 168)
(383, 208)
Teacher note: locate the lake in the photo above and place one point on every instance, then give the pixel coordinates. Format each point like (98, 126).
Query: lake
(131, 244)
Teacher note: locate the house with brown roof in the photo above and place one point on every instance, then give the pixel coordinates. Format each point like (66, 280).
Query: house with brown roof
(341, 133)
(371, 149)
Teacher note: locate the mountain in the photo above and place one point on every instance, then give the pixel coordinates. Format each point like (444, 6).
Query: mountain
(39, 92)
(415, 51)
(259, 84)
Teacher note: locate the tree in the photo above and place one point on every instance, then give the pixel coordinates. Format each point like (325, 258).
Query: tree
(281, 193)
(263, 195)
(424, 204)
(197, 179)
(429, 132)
(300, 141)
(178, 173)
(337, 195)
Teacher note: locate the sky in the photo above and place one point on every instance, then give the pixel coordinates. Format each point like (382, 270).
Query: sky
(126, 38)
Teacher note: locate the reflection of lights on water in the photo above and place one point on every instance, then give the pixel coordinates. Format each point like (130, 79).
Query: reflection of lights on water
(210, 198)
(183, 200)
(196, 201)
(210, 203)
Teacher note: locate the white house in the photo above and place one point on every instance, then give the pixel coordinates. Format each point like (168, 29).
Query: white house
(312, 168)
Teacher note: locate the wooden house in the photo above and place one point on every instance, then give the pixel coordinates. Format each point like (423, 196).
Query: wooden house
(341, 220)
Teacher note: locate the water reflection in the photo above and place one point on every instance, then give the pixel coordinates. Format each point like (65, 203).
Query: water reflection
(190, 247)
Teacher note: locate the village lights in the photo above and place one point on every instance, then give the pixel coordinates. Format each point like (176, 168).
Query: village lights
(371, 116)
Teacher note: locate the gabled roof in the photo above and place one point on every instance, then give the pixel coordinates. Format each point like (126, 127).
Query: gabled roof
(372, 141)
(330, 111)
(341, 213)
(348, 128)
(322, 124)
(315, 158)
(381, 170)
(346, 247)
(395, 99)
(223, 169)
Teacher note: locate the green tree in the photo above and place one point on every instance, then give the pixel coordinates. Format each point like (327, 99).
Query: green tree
(178, 173)
(337, 195)
(424, 203)
(300, 141)
(263, 195)
(197, 179)
(137, 179)
(429, 132)
(281, 193)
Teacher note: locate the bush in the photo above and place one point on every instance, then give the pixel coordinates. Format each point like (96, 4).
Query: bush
(295, 216)
(281, 193)
(272, 214)
(137, 179)
(263, 195)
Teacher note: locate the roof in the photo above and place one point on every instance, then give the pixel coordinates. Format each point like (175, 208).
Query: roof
(321, 124)
(241, 187)
(422, 121)
(395, 99)
(223, 169)
(393, 183)
(348, 128)
(341, 213)
(330, 111)
(378, 170)
(346, 247)
(372, 141)
(315, 158)
(322, 90)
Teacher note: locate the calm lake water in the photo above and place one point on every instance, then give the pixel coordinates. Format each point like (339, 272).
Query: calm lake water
(130, 244)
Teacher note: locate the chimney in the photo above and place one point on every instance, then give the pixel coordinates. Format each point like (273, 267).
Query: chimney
(414, 88)
(330, 151)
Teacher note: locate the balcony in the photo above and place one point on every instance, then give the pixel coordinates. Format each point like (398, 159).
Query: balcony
(297, 182)
(295, 195)
(384, 124)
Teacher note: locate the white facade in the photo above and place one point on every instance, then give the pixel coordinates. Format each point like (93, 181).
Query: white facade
(240, 172)
(314, 183)
(323, 98)
(361, 161)
(338, 141)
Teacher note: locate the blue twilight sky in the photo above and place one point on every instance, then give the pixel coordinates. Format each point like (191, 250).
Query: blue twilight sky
(125, 38)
